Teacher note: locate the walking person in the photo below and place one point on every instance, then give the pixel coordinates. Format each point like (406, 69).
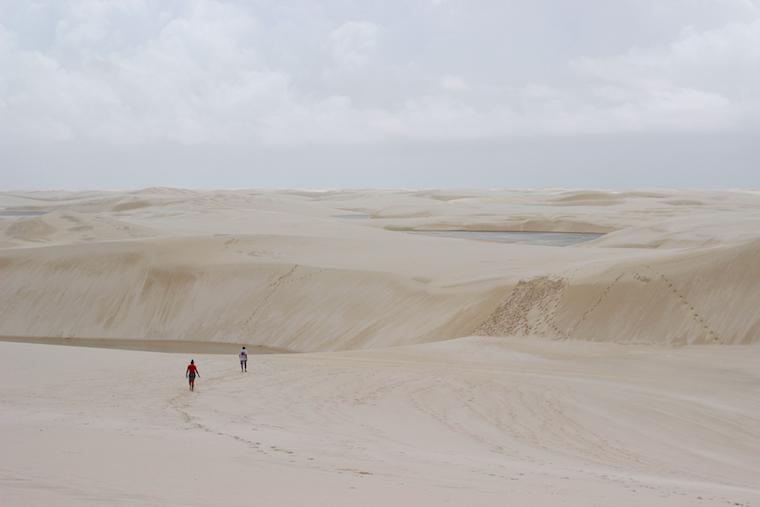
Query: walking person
(191, 373)
(243, 360)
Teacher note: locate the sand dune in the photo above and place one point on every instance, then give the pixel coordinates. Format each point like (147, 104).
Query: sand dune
(296, 277)
(621, 371)
(474, 421)
(123, 291)
(65, 227)
(589, 199)
(678, 300)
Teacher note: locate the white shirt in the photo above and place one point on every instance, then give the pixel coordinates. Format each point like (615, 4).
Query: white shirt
(243, 355)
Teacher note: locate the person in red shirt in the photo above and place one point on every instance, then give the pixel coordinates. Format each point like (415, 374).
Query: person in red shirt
(191, 373)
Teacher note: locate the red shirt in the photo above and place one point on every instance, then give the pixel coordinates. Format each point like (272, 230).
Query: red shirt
(192, 369)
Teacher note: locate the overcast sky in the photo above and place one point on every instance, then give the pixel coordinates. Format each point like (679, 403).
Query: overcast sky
(421, 93)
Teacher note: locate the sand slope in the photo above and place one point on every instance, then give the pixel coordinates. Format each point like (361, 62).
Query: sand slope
(696, 297)
(294, 274)
(471, 422)
(123, 291)
(622, 371)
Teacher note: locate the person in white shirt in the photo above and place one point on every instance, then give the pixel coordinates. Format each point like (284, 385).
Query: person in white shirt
(243, 360)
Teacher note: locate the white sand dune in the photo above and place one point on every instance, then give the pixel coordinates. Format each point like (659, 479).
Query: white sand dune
(304, 280)
(619, 371)
(476, 421)
(67, 227)
(676, 300)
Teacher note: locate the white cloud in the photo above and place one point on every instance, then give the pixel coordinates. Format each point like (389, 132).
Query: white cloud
(212, 73)
(193, 81)
(352, 42)
(703, 79)
(454, 84)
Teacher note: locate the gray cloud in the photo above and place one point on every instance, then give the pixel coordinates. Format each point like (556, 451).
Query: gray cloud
(88, 85)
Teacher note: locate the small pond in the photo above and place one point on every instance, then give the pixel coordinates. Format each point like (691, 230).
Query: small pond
(519, 237)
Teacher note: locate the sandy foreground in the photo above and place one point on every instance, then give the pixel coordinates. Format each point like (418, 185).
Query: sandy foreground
(420, 370)
(475, 421)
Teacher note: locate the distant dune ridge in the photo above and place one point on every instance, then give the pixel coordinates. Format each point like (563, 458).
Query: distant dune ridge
(282, 269)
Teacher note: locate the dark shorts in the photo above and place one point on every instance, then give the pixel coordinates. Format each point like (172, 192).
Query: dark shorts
(191, 377)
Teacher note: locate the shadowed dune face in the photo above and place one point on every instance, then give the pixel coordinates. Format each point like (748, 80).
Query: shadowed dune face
(588, 199)
(142, 295)
(131, 205)
(703, 298)
(287, 270)
(33, 229)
